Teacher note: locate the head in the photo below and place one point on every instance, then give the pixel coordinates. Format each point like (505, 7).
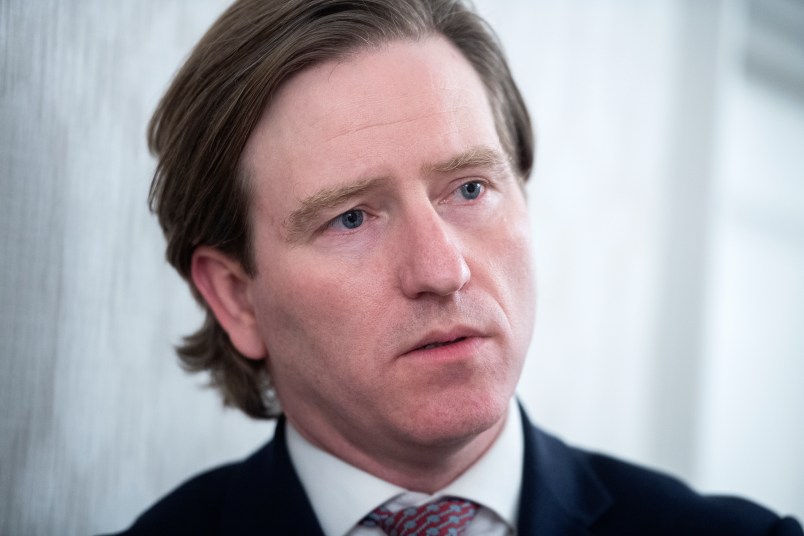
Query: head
(218, 127)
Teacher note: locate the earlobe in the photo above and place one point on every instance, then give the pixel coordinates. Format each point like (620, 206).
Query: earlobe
(224, 285)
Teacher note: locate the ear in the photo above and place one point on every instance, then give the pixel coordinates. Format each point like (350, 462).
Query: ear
(225, 286)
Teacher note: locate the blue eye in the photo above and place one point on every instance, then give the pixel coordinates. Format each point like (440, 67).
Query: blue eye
(351, 220)
(471, 190)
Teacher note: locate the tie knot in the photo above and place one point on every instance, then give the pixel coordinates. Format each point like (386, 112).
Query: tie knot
(445, 517)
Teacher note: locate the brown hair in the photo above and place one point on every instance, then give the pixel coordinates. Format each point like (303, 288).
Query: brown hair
(203, 121)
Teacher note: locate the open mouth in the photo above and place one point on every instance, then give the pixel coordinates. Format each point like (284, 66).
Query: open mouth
(440, 344)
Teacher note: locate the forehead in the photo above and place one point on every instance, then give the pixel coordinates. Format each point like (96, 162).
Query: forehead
(403, 102)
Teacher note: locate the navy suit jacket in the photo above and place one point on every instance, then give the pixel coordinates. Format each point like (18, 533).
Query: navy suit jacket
(565, 492)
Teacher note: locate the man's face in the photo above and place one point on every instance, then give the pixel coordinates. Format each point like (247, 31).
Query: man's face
(393, 290)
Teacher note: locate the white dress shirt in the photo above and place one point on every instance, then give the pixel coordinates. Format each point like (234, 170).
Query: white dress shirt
(342, 495)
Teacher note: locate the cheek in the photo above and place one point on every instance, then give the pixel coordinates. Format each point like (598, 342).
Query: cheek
(317, 314)
(511, 267)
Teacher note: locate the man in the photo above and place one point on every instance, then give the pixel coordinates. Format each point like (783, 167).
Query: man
(341, 183)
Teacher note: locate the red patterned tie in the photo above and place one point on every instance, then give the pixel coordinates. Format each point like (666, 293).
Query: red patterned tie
(448, 516)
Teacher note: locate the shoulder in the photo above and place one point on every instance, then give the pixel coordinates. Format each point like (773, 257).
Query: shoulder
(206, 503)
(589, 493)
(261, 494)
(649, 501)
(194, 507)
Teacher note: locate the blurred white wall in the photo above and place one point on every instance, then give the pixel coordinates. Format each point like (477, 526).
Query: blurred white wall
(668, 214)
(668, 220)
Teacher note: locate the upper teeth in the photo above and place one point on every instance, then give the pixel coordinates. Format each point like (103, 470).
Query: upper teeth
(437, 344)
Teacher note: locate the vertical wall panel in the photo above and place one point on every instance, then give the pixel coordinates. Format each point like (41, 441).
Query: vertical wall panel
(93, 400)
(752, 414)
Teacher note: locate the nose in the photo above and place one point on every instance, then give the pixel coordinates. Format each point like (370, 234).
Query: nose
(431, 260)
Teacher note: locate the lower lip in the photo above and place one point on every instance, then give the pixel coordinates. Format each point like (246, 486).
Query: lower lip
(466, 349)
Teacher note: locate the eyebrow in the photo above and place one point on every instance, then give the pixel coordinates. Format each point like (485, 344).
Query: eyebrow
(476, 157)
(301, 219)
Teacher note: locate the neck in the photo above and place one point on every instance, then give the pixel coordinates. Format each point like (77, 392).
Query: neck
(416, 467)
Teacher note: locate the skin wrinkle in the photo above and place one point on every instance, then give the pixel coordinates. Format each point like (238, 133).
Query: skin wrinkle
(389, 123)
(432, 82)
(302, 219)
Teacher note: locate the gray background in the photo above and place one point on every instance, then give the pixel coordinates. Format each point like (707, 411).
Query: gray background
(668, 221)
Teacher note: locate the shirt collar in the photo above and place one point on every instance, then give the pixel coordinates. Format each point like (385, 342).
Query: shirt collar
(341, 494)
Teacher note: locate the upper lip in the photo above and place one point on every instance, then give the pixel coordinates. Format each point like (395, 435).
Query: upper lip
(442, 336)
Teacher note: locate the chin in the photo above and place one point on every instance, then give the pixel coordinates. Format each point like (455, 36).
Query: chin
(451, 419)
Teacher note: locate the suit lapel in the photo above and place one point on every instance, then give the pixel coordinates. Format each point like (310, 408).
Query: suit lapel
(265, 496)
(560, 493)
